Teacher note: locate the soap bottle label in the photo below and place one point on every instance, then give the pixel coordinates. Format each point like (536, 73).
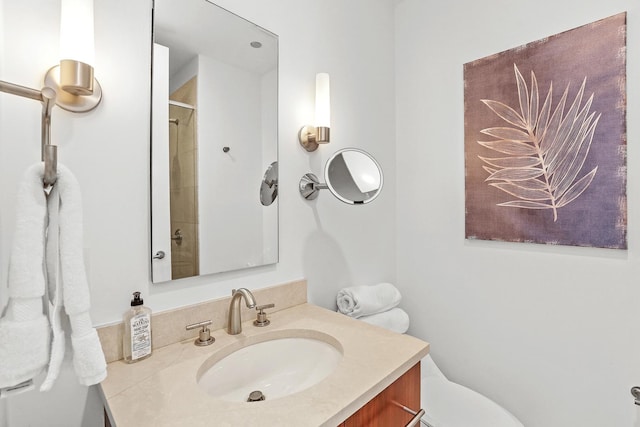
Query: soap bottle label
(140, 336)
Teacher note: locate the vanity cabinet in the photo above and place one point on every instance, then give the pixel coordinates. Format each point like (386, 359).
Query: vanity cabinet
(383, 411)
(355, 394)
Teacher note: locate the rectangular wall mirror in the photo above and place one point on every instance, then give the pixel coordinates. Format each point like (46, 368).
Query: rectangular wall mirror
(214, 141)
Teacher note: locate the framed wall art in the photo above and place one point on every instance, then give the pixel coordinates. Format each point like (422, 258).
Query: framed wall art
(545, 140)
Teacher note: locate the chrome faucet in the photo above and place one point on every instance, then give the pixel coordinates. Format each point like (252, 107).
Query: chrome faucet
(234, 326)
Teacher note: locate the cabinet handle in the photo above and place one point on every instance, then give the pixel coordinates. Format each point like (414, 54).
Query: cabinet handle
(416, 416)
(416, 419)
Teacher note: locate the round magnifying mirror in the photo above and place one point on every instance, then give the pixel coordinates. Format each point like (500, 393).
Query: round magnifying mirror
(353, 176)
(269, 185)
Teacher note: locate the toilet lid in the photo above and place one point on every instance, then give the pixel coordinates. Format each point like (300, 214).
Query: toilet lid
(448, 404)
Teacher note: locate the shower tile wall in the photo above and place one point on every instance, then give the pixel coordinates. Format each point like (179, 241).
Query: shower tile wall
(183, 156)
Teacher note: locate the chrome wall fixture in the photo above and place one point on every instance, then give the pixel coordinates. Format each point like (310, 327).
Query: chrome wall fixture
(269, 185)
(319, 133)
(47, 96)
(69, 85)
(352, 175)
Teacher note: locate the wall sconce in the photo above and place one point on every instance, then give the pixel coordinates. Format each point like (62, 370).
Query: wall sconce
(310, 136)
(77, 90)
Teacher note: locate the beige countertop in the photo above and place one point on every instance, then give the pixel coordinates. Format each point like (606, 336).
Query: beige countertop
(162, 390)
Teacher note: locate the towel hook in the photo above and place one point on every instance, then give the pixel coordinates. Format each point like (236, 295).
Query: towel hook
(49, 151)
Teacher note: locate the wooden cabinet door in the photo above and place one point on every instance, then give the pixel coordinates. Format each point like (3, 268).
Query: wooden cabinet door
(382, 411)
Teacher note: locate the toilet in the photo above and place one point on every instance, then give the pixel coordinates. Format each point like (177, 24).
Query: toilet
(448, 404)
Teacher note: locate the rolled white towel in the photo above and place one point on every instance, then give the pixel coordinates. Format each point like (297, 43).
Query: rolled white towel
(358, 301)
(396, 320)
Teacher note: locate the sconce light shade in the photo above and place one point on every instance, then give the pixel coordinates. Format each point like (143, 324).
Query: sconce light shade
(73, 79)
(323, 101)
(76, 46)
(76, 31)
(310, 136)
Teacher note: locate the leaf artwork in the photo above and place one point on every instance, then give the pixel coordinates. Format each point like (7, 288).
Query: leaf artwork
(542, 148)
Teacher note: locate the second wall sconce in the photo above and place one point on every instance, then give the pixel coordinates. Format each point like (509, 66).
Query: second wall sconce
(76, 88)
(312, 135)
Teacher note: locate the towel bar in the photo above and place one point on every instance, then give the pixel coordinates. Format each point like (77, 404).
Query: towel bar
(47, 97)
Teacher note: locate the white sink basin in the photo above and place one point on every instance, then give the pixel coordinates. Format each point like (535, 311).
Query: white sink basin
(277, 367)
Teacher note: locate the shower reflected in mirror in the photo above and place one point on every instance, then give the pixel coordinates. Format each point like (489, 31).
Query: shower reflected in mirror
(183, 194)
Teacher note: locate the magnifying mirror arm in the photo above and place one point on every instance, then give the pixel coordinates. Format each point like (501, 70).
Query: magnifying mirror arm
(310, 186)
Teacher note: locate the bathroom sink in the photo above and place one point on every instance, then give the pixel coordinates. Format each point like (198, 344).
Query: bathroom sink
(273, 365)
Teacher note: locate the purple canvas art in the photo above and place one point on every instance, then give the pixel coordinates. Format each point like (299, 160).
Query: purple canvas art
(545, 140)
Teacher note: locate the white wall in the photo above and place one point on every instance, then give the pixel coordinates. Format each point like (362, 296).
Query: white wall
(549, 332)
(325, 241)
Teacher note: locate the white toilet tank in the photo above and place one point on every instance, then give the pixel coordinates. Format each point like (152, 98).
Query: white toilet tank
(448, 404)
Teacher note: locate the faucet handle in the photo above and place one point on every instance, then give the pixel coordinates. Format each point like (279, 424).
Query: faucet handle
(204, 336)
(262, 316)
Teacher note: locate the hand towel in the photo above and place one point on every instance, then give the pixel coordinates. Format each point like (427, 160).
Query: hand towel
(358, 301)
(26, 274)
(88, 358)
(53, 304)
(25, 333)
(24, 329)
(396, 320)
(24, 350)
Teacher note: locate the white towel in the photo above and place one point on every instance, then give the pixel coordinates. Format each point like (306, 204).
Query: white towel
(54, 290)
(26, 274)
(396, 320)
(358, 301)
(24, 350)
(24, 329)
(88, 359)
(25, 333)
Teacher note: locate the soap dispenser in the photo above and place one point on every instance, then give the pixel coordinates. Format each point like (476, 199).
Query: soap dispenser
(136, 340)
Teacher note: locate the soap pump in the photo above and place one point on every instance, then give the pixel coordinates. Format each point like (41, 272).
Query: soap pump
(136, 340)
